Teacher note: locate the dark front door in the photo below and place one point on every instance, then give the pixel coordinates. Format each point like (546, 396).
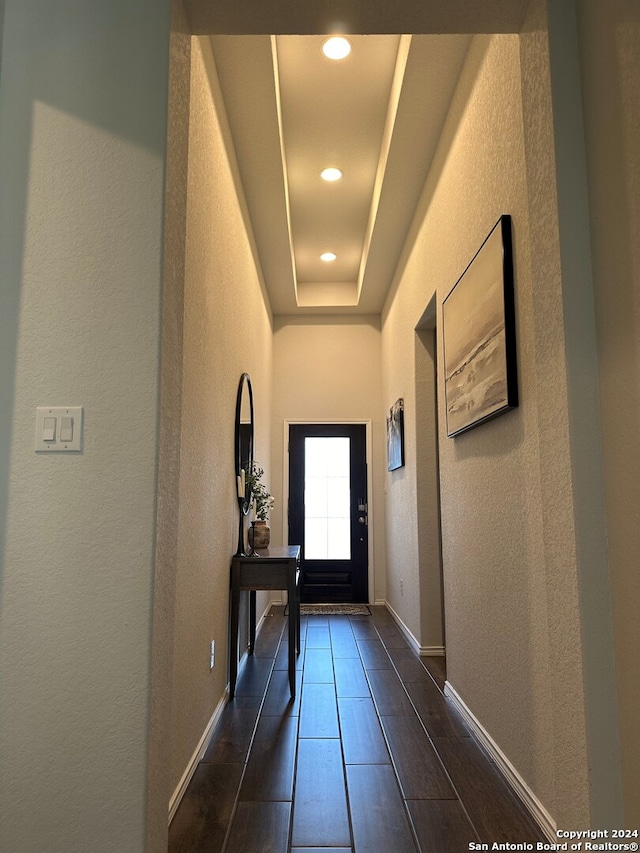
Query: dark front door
(328, 510)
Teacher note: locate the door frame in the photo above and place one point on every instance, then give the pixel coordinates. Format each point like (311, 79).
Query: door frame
(433, 629)
(369, 459)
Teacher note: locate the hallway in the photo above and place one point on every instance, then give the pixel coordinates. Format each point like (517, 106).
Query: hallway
(367, 713)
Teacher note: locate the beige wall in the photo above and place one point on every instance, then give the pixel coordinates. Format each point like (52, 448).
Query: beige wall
(328, 369)
(161, 783)
(227, 330)
(82, 152)
(610, 58)
(510, 585)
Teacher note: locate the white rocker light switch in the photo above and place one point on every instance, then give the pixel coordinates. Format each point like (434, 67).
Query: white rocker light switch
(66, 429)
(49, 429)
(59, 429)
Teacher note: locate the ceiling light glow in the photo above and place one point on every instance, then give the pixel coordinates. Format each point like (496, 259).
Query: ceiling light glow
(336, 47)
(331, 174)
(328, 256)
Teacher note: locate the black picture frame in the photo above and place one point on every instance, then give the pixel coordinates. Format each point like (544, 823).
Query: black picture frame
(395, 436)
(479, 336)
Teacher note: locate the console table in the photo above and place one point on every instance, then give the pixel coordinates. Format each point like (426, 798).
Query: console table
(271, 568)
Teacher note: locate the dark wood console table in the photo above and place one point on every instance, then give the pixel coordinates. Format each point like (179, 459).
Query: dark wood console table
(271, 568)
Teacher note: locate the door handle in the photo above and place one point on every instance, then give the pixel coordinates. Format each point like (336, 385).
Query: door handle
(362, 519)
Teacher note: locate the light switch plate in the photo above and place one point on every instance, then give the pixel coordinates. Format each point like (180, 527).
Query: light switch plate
(76, 416)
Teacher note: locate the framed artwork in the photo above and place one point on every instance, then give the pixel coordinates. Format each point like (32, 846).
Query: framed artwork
(395, 436)
(478, 330)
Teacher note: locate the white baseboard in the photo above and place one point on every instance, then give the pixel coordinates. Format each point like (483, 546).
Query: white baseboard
(205, 740)
(423, 651)
(515, 781)
(432, 651)
(197, 756)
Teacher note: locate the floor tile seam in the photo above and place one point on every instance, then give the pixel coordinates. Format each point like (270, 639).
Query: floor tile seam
(396, 776)
(394, 625)
(393, 766)
(449, 778)
(297, 747)
(369, 639)
(295, 774)
(408, 800)
(427, 735)
(251, 742)
(269, 800)
(430, 676)
(347, 622)
(344, 763)
(361, 763)
(335, 696)
(388, 745)
(412, 829)
(293, 787)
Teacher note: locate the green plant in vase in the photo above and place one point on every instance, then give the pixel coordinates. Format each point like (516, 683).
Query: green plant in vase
(260, 534)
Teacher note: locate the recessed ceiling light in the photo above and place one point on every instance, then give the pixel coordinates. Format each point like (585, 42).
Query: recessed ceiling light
(336, 47)
(328, 256)
(331, 174)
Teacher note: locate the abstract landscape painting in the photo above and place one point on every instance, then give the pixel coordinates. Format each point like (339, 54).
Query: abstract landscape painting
(479, 336)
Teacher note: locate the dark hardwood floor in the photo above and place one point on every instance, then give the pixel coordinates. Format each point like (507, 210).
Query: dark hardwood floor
(369, 758)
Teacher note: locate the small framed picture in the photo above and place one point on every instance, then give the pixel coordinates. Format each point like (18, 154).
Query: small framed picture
(395, 436)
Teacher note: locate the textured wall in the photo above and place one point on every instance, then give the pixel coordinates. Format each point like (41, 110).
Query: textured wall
(399, 380)
(227, 331)
(82, 147)
(328, 369)
(160, 781)
(610, 57)
(510, 585)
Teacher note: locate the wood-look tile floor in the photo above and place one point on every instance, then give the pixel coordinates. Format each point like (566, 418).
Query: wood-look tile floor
(370, 757)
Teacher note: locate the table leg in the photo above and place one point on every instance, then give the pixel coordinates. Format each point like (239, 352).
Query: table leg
(252, 621)
(233, 640)
(297, 601)
(293, 631)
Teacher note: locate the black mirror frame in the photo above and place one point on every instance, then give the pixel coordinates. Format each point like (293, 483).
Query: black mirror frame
(244, 498)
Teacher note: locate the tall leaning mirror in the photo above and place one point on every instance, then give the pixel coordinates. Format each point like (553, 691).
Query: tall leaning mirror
(243, 452)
